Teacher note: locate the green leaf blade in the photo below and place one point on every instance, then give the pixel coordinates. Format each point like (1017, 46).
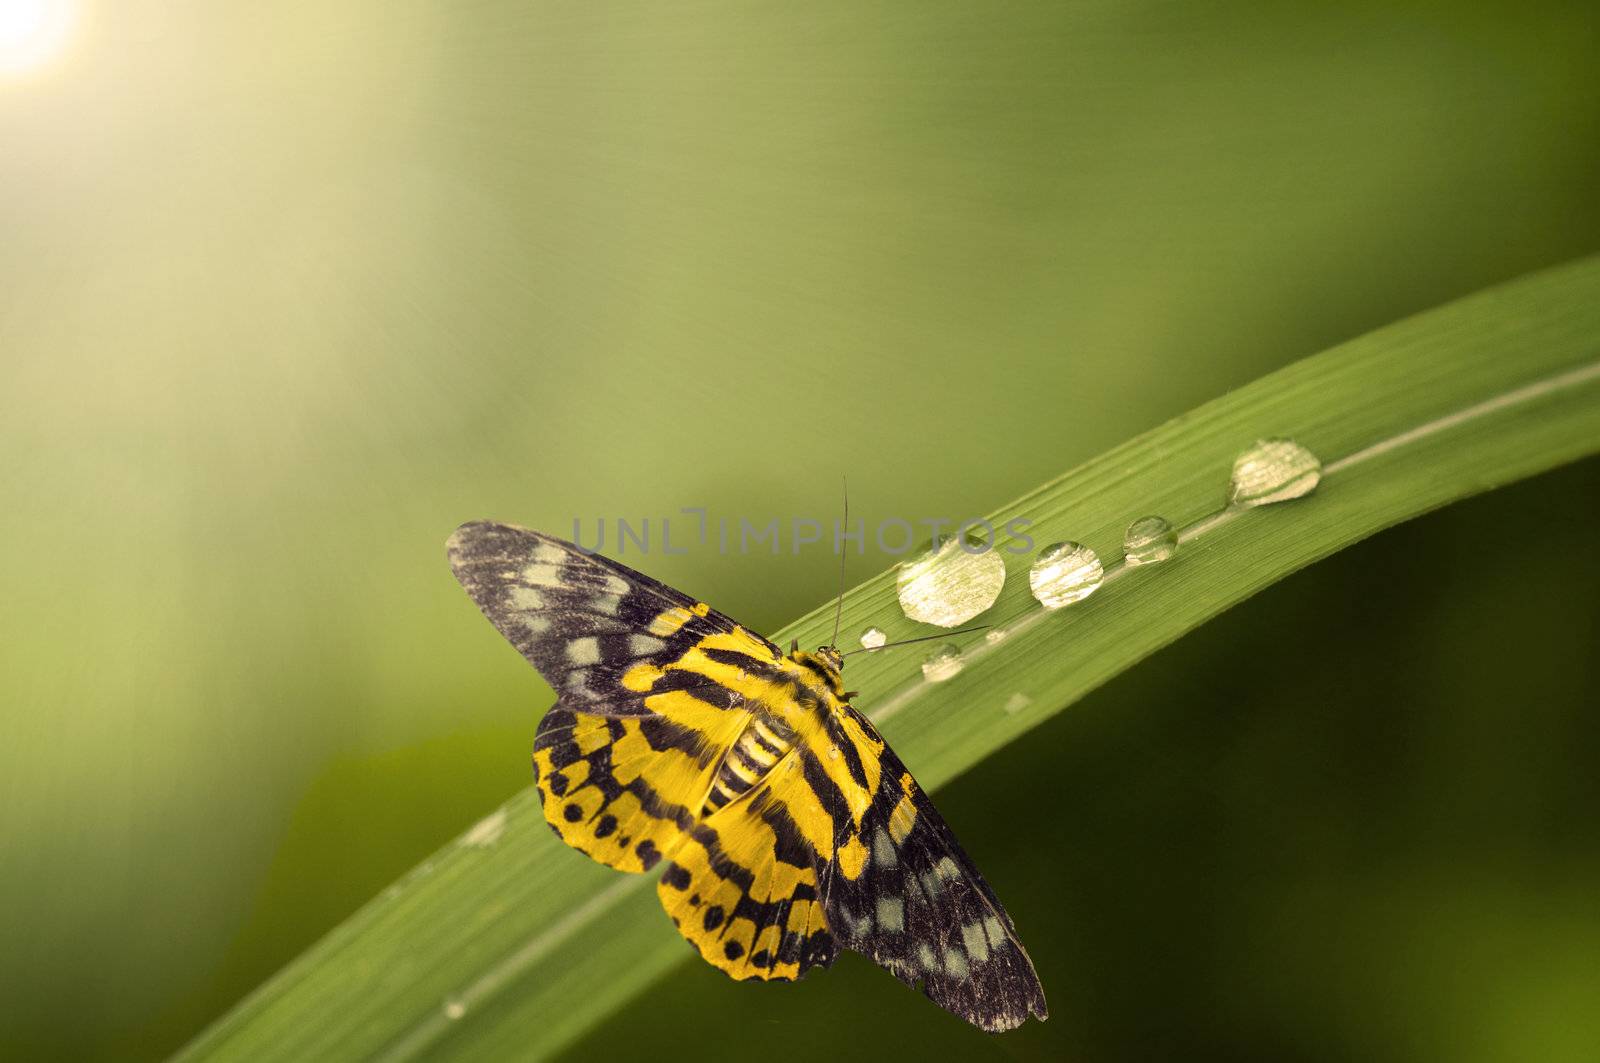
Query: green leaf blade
(521, 946)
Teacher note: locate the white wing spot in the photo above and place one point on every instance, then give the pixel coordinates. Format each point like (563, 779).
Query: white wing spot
(549, 553)
(606, 603)
(955, 963)
(615, 584)
(856, 927)
(947, 869)
(543, 574)
(926, 958)
(883, 851)
(645, 645)
(584, 651)
(526, 599)
(972, 936)
(891, 914)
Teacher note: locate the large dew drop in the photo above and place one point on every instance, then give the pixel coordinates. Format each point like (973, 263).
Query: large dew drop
(1148, 540)
(952, 585)
(873, 638)
(1064, 573)
(1274, 470)
(942, 663)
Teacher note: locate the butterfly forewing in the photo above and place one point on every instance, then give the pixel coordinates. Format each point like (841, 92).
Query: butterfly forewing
(596, 630)
(903, 892)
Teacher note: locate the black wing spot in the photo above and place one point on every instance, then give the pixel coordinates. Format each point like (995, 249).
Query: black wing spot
(606, 825)
(557, 782)
(572, 813)
(649, 855)
(714, 916)
(733, 950)
(675, 876)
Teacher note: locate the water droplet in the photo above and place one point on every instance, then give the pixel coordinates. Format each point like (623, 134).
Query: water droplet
(995, 636)
(950, 586)
(942, 663)
(873, 638)
(454, 1009)
(1016, 703)
(487, 831)
(833, 752)
(1148, 540)
(1274, 470)
(1064, 573)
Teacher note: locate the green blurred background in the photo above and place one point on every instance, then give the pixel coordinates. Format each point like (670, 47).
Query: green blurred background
(288, 291)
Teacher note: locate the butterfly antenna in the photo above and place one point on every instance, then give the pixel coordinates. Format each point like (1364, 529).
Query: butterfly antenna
(923, 638)
(838, 610)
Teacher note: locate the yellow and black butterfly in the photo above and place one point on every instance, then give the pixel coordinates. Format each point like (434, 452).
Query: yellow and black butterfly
(789, 829)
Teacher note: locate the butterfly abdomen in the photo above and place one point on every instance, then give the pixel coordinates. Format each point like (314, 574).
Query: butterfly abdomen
(764, 742)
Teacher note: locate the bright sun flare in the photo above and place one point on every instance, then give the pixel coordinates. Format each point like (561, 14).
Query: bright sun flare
(32, 32)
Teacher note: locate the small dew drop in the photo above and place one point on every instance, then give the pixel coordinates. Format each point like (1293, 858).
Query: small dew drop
(487, 831)
(942, 663)
(454, 1009)
(1064, 573)
(952, 585)
(873, 638)
(995, 636)
(1016, 703)
(1148, 540)
(833, 752)
(1274, 470)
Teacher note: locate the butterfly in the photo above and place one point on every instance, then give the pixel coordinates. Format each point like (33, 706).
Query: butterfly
(787, 827)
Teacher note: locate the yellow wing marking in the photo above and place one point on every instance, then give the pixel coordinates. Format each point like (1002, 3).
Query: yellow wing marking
(904, 816)
(671, 621)
(852, 857)
(686, 710)
(744, 891)
(641, 677)
(612, 796)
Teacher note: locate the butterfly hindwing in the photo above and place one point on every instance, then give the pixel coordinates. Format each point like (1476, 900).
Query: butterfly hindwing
(742, 888)
(903, 892)
(609, 793)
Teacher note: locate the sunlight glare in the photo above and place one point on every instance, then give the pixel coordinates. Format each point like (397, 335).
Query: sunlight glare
(32, 32)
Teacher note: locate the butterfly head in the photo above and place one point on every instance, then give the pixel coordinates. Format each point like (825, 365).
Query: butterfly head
(827, 662)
